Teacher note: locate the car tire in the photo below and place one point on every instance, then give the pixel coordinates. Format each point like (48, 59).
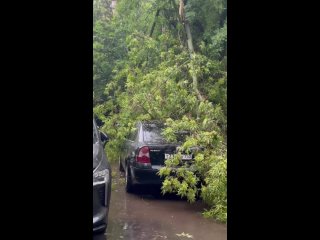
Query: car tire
(120, 165)
(129, 185)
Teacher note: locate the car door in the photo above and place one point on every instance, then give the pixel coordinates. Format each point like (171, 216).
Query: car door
(130, 146)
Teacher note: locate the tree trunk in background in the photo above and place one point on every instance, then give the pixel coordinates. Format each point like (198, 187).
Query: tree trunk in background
(190, 47)
(113, 5)
(154, 22)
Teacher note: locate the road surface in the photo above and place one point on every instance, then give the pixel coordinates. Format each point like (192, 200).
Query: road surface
(147, 216)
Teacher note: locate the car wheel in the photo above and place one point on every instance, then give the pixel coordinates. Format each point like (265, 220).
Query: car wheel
(120, 165)
(129, 185)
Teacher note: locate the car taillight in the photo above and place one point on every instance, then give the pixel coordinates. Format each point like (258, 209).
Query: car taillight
(143, 155)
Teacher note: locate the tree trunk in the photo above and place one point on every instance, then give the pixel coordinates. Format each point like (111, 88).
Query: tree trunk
(154, 22)
(190, 47)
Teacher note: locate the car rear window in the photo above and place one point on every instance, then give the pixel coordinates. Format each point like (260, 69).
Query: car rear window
(153, 133)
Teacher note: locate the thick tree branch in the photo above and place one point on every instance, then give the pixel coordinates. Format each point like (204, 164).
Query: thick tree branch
(154, 22)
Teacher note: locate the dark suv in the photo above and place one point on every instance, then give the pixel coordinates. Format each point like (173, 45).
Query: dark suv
(144, 154)
(101, 181)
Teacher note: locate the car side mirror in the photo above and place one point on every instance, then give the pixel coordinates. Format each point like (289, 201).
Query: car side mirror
(104, 138)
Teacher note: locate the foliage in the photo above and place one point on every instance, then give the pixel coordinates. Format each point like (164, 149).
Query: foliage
(143, 70)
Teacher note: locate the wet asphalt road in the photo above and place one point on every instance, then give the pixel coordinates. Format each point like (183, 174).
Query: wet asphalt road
(146, 215)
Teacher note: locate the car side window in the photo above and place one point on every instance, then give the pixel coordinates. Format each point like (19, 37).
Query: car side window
(131, 136)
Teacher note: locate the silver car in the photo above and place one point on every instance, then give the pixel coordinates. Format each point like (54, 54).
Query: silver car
(101, 181)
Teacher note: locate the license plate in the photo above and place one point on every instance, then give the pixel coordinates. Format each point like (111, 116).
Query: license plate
(184, 156)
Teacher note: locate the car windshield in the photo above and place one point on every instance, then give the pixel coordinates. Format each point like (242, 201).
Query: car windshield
(95, 136)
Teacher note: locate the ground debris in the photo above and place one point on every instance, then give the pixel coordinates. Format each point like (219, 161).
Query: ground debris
(187, 235)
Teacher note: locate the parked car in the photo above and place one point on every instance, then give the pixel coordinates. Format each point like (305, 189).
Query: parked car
(101, 181)
(144, 153)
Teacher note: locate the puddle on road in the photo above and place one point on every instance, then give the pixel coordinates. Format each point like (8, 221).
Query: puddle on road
(144, 216)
